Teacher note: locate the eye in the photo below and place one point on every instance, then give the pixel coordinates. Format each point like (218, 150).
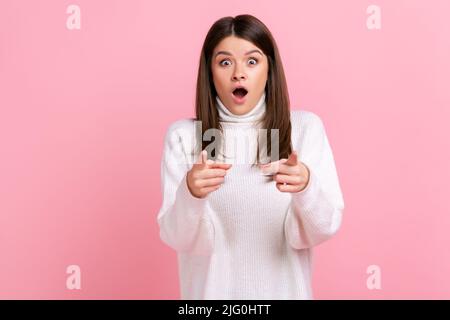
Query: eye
(225, 60)
(253, 59)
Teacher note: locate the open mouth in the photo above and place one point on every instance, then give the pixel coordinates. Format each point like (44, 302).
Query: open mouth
(240, 92)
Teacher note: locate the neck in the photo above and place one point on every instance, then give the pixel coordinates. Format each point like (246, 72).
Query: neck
(255, 114)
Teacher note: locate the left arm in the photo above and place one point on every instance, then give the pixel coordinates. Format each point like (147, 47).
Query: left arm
(317, 202)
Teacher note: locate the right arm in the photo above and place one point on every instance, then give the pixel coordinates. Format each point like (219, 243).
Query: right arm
(183, 219)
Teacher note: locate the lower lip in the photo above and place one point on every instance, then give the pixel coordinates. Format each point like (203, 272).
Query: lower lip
(239, 100)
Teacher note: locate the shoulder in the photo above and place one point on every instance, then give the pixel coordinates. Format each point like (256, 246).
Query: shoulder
(306, 126)
(181, 125)
(305, 119)
(180, 128)
(180, 135)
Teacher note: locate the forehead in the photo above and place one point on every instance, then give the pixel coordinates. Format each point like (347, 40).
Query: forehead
(234, 45)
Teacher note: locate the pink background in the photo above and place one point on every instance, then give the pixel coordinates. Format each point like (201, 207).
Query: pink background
(83, 114)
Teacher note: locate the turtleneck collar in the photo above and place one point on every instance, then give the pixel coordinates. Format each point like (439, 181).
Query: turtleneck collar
(253, 115)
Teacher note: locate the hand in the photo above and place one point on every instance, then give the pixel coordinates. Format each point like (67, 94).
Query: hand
(290, 174)
(206, 176)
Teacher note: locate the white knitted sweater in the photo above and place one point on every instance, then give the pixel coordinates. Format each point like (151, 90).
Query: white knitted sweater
(248, 240)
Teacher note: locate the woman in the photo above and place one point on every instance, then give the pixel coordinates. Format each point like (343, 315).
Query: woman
(245, 229)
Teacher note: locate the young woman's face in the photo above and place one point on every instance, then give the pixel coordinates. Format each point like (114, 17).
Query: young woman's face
(238, 62)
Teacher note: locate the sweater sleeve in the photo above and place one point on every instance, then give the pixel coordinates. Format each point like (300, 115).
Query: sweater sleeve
(316, 211)
(183, 220)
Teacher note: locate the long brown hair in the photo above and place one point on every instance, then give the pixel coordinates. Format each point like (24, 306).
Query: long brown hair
(277, 115)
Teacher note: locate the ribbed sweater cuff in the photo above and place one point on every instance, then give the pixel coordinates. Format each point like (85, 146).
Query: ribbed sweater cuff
(305, 199)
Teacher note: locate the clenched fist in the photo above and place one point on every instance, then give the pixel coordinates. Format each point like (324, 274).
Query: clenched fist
(206, 176)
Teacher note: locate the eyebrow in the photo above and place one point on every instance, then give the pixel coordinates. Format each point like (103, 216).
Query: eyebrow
(229, 54)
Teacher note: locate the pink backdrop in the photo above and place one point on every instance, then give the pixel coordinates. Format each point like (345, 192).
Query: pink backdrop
(83, 114)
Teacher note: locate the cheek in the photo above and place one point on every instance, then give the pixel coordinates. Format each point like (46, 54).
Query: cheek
(218, 83)
(261, 77)
(219, 73)
(216, 78)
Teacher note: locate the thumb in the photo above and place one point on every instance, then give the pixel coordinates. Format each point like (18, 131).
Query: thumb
(293, 159)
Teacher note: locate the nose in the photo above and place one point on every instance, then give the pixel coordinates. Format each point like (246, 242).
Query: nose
(239, 74)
